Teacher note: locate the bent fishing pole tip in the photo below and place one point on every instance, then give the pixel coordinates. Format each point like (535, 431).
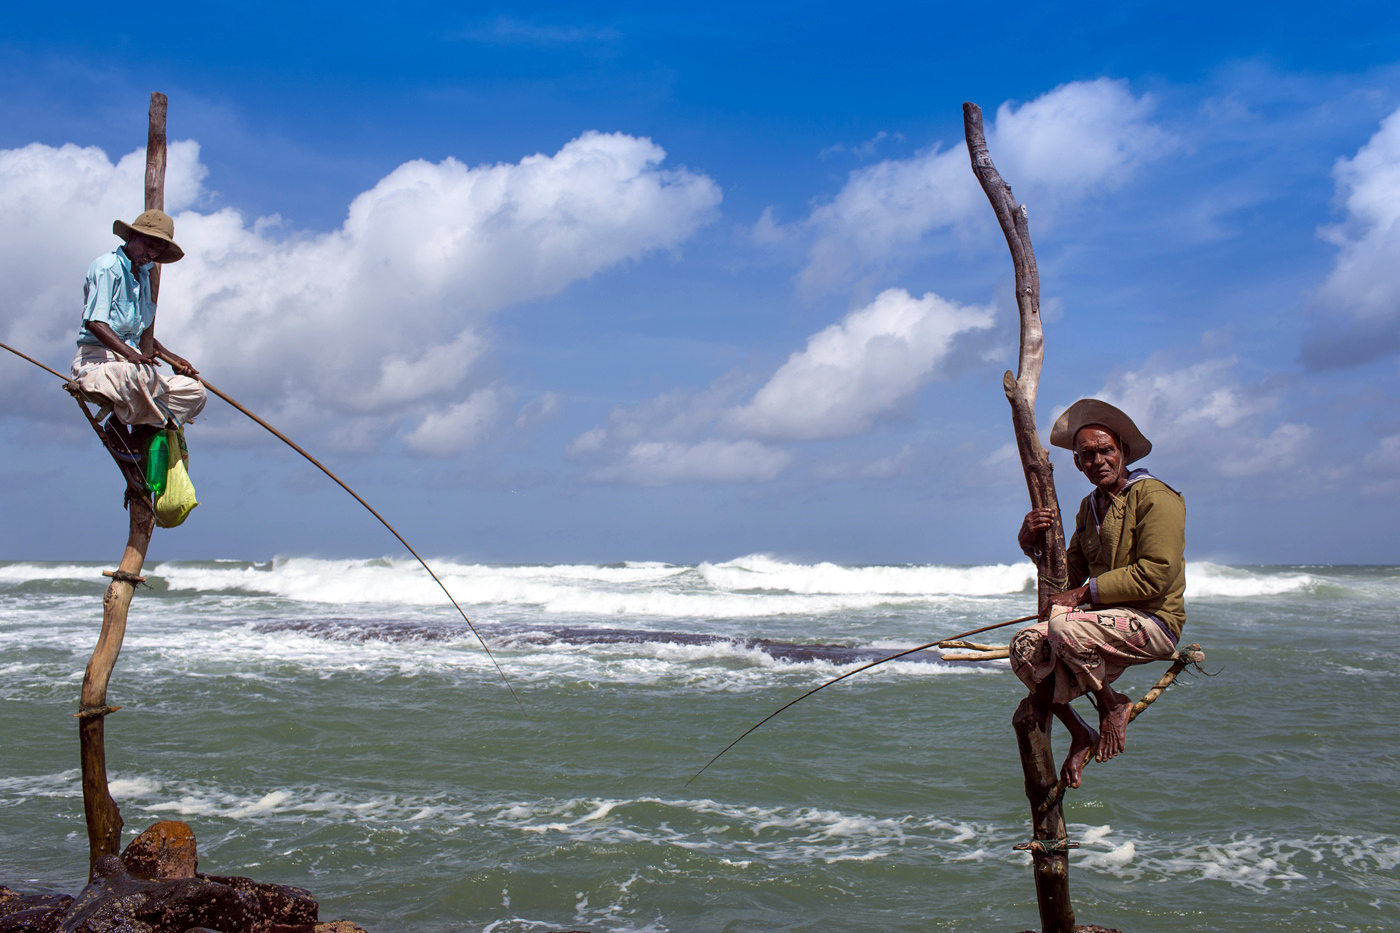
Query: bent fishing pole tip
(865, 667)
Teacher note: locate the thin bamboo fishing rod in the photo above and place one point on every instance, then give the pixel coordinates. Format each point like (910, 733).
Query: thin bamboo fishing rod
(34, 361)
(320, 466)
(976, 631)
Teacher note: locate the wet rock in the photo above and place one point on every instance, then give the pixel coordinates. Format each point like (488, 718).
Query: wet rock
(165, 851)
(118, 902)
(285, 909)
(32, 913)
(153, 888)
(339, 926)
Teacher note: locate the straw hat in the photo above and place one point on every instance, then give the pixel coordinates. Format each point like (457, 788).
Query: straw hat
(153, 224)
(1091, 411)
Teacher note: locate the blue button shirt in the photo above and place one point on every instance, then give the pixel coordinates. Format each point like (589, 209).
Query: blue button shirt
(119, 297)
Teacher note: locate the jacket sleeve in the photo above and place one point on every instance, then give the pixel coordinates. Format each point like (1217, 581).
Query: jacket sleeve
(1158, 549)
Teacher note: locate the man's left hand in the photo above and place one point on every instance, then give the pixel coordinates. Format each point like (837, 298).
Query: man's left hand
(1070, 599)
(182, 366)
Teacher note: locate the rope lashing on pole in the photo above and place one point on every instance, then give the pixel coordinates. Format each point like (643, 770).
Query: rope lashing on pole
(341, 483)
(866, 667)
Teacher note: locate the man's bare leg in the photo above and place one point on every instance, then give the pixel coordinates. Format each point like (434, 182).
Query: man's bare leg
(1081, 738)
(1081, 735)
(1114, 710)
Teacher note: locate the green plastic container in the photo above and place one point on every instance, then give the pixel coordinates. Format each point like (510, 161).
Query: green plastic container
(157, 463)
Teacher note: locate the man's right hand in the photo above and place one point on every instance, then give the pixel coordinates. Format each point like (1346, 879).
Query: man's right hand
(109, 339)
(1036, 521)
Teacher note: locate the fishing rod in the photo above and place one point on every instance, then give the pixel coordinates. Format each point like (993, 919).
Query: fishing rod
(976, 631)
(322, 467)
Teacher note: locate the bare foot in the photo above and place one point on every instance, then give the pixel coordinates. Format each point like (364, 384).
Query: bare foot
(1081, 738)
(1073, 768)
(1113, 723)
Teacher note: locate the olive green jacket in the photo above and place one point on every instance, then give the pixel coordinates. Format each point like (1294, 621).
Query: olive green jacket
(1135, 551)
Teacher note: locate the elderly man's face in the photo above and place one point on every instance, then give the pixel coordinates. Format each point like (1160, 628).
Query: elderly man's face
(141, 249)
(1099, 456)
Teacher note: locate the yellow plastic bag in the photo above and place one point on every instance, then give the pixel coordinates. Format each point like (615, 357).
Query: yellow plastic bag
(174, 505)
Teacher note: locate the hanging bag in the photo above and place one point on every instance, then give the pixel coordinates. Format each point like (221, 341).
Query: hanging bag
(177, 499)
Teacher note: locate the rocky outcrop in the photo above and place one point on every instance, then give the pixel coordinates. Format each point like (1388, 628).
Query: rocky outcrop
(32, 913)
(156, 887)
(167, 850)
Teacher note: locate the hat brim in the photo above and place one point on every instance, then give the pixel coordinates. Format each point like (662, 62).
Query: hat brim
(172, 251)
(1091, 411)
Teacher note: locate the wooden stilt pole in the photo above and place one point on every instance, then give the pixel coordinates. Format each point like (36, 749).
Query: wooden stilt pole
(104, 821)
(1049, 847)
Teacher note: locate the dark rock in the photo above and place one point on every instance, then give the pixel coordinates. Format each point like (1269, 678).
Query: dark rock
(285, 909)
(32, 913)
(165, 851)
(118, 902)
(154, 888)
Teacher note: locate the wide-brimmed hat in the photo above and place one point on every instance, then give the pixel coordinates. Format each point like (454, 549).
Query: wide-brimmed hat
(1089, 411)
(153, 224)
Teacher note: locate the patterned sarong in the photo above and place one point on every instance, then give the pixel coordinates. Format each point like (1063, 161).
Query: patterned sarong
(1087, 649)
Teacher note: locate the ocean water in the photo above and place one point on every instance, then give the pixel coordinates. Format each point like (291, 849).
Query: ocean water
(332, 724)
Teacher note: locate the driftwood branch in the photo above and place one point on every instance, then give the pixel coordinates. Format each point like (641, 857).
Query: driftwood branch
(995, 654)
(1031, 721)
(1021, 388)
(104, 820)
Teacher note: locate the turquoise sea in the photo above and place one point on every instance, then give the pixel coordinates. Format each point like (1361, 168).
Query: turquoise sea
(331, 724)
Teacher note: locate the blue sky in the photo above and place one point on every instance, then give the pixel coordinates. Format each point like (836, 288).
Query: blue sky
(611, 282)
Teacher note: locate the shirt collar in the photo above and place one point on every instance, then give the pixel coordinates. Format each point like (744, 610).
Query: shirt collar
(125, 260)
(1100, 502)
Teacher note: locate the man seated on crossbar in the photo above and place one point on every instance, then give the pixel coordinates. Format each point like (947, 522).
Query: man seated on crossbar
(1123, 600)
(118, 353)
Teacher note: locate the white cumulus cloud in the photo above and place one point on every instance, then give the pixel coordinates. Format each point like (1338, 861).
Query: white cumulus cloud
(1061, 147)
(447, 431)
(1202, 417)
(661, 463)
(849, 376)
(382, 321)
(1361, 297)
(853, 372)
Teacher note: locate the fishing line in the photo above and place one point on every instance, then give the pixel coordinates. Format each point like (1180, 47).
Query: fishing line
(976, 631)
(320, 466)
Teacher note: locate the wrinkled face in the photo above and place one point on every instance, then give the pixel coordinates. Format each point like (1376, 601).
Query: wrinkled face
(1100, 456)
(142, 249)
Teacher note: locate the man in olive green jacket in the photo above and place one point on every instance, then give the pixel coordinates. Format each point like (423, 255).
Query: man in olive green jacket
(1127, 577)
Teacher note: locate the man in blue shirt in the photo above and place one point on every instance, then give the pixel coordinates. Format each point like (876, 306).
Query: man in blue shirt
(117, 358)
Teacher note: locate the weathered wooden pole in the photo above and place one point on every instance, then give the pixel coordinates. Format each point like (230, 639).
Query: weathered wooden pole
(104, 820)
(1032, 722)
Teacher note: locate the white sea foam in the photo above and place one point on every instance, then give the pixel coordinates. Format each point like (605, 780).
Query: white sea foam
(654, 590)
(1256, 863)
(60, 784)
(1205, 580)
(741, 835)
(761, 572)
(29, 572)
(138, 786)
(747, 587)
